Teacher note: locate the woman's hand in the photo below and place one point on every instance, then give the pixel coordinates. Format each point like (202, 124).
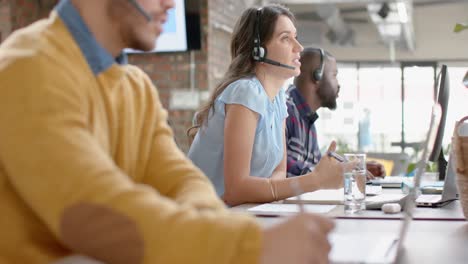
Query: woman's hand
(329, 172)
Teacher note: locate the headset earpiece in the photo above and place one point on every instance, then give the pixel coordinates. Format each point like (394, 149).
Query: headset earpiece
(259, 53)
(318, 73)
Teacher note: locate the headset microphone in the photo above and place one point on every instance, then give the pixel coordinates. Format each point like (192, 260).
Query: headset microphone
(272, 62)
(140, 9)
(259, 53)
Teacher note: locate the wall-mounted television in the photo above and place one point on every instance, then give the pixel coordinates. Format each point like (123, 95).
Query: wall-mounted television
(174, 36)
(181, 32)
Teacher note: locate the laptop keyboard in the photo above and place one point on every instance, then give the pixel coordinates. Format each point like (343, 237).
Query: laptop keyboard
(429, 198)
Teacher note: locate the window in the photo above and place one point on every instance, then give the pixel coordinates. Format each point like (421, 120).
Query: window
(372, 114)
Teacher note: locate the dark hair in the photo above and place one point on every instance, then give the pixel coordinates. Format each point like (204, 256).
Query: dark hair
(310, 61)
(242, 44)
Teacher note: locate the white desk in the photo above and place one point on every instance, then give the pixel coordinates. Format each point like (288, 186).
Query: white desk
(428, 242)
(442, 239)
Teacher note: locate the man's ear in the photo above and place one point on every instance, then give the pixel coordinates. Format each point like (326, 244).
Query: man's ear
(313, 85)
(313, 80)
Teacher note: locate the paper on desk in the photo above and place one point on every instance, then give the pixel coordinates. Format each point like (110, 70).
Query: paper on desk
(332, 196)
(288, 209)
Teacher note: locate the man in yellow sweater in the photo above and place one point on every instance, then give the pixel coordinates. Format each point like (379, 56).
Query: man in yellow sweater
(88, 164)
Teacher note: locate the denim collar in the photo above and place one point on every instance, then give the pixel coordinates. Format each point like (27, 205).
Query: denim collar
(98, 58)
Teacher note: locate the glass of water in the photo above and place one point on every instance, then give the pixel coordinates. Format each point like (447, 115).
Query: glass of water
(355, 184)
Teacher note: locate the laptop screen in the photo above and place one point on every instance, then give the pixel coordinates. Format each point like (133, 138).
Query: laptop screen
(421, 168)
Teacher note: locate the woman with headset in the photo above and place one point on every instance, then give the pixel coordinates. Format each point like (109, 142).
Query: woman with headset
(240, 143)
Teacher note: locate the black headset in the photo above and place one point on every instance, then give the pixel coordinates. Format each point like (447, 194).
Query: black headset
(317, 74)
(259, 52)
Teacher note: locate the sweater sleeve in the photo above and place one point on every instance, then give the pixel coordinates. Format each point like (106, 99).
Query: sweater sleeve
(77, 192)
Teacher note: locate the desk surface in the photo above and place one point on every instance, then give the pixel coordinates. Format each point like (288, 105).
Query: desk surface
(450, 212)
(426, 242)
(441, 239)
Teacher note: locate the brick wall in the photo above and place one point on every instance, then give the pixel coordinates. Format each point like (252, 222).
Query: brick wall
(172, 71)
(24, 12)
(5, 19)
(222, 16)
(167, 70)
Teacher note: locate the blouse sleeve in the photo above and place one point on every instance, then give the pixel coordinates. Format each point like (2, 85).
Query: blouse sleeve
(246, 93)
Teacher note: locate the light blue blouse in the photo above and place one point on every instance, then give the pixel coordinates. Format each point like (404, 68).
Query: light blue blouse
(207, 150)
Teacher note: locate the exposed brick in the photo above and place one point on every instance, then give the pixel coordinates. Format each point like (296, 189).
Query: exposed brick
(5, 19)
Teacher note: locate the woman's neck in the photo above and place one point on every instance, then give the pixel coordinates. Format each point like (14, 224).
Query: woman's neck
(270, 83)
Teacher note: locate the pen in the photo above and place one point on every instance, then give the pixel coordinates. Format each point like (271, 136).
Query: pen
(337, 156)
(340, 158)
(298, 193)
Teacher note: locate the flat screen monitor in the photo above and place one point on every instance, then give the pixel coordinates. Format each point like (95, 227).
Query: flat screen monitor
(443, 92)
(174, 35)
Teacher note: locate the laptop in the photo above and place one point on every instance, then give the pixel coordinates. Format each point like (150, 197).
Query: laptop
(365, 248)
(436, 195)
(450, 190)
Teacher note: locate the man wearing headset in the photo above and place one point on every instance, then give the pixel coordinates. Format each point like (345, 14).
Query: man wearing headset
(88, 163)
(316, 86)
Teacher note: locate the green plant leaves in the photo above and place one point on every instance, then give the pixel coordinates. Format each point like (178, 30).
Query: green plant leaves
(460, 27)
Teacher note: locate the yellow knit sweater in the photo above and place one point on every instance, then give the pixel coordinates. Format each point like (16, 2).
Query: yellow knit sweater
(88, 165)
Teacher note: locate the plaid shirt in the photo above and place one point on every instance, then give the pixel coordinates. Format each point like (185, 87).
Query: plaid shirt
(301, 135)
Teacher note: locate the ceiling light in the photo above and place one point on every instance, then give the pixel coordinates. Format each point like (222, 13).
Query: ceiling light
(402, 12)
